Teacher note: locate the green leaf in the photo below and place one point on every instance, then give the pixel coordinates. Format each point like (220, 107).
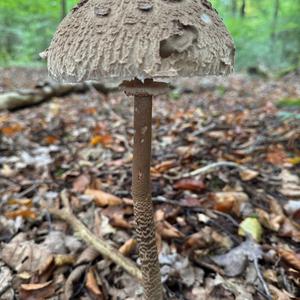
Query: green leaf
(252, 227)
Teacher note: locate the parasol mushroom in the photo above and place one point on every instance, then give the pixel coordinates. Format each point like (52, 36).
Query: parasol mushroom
(142, 44)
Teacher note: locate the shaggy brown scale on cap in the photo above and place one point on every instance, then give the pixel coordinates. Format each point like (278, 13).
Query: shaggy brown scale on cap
(159, 39)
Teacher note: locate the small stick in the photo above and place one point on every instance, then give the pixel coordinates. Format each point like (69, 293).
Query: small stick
(212, 167)
(207, 169)
(99, 244)
(261, 279)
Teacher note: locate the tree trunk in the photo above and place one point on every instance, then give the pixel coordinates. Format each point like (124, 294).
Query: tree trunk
(234, 7)
(63, 8)
(243, 9)
(275, 19)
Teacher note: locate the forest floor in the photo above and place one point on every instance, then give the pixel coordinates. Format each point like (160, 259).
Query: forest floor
(225, 231)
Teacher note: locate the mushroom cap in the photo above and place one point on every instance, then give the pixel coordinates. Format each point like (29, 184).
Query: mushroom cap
(126, 39)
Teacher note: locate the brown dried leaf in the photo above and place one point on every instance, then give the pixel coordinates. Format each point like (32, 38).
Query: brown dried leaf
(290, 184)
(128, 247)
(25, 256)
(12, 129)
(24, 213)
(119, 221)
(104, 199)
(278, 294)
(167, 231)
(81, 183)
(37, 291)
(101, 139)
(247, 174)
(208, 238)
(191, 185)
(229, 201)
(271, 221)
(288, 229)
(163, 167)
(92, 285)
(290, 257)
(276, 155)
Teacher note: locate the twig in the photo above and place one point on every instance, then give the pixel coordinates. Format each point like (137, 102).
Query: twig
(65, 201)
(99, 244)
(261, 279)
(211, 167)
(207, 169)
(4, 288)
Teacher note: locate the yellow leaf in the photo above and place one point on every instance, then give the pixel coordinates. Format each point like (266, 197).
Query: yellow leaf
(294, 160)
(64, 259)
(20, 202)
(252, 227)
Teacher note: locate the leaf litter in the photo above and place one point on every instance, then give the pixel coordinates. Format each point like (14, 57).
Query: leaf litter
(225, 180)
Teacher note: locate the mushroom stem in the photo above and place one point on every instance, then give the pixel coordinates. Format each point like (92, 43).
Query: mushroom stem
(141, 191)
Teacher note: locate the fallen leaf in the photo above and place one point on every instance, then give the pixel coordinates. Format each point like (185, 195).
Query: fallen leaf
(276, 155)
(34, 291)
(7, 171)
(290, 257)
(24, 213)
(118, 220)
(163, 167)
(20, 202)
(128, 247)
(81, 183)
(235, 261)
(168, 231)
(92, 285)
(252, 227)
(290, 184)
(294, 160)
(279, 294)
(12, 129)
(247, 174)
(50, 140)
(229, 201)
(104, 199)
(289, 229)
(64, 259)
(101, 139)
(270, 221)
(292, 207)
(190, 184)
(24, 256)
(207, 238)
(84, 260)
(6, 279)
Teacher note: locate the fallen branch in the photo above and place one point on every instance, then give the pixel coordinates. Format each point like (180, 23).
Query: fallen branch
(99, 244)
(31, 97)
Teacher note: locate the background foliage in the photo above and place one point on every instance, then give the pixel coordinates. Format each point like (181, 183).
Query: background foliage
(266, 32)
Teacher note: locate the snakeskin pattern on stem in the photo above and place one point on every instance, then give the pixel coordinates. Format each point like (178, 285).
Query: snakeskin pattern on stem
(141, 191)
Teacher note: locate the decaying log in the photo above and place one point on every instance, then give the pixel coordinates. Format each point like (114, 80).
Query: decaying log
(31, 97)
